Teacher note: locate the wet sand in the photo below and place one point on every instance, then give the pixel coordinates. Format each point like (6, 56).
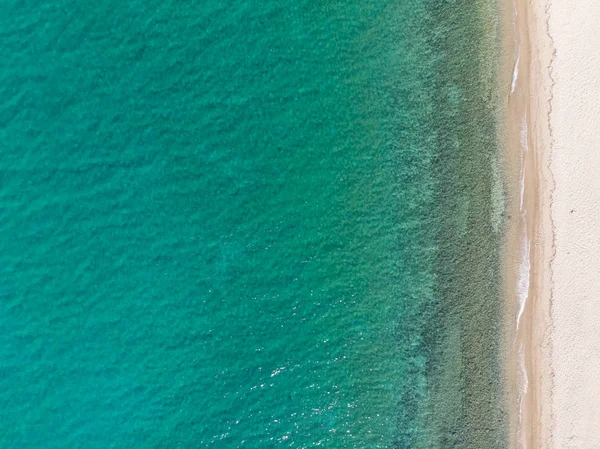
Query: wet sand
(530, 231)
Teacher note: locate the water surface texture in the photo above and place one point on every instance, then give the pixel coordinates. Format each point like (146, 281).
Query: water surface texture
(244, 224)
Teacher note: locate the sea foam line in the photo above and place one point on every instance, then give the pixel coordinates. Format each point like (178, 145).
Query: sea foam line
(524, 274)
(525, 147)
(522, 198)
(525, 264)
(523, 283)
(515, 76)
(525, 386)
(524, 134)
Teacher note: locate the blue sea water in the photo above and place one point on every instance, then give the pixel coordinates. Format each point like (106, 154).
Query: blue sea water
(242, 224)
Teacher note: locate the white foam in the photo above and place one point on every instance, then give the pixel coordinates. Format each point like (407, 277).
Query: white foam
(521, 205)
(515, 76)
(524, 388)
(524, 273)
(524, 134)
(525, 147)
(523, 283)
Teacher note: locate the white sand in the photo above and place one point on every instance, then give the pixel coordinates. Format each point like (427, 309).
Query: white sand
(566, 103)
(575, 165)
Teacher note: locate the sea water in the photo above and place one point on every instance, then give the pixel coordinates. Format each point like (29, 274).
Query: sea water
(244, 224)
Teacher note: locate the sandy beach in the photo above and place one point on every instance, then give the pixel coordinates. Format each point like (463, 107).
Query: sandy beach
(575, 167)
(554, 242)
(530, 235)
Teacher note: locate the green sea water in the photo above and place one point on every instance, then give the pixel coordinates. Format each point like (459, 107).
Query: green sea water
(243, 224)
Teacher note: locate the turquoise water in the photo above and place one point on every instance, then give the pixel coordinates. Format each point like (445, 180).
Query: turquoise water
(249, 224)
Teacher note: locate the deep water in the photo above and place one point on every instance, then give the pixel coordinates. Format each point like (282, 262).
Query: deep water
(249, 224)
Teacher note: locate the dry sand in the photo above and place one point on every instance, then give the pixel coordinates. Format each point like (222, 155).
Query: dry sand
(575, 165)
(555, 370)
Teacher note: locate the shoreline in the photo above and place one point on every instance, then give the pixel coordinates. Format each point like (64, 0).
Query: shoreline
(530, 230)
(554, 345)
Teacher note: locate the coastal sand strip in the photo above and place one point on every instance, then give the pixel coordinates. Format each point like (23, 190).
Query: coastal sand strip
(559, 329)
(530, 247)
